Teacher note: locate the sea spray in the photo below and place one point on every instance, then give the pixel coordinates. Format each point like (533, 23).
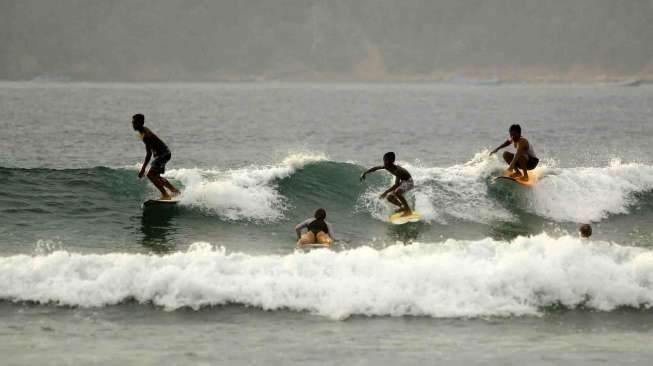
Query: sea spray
(590, 194)
(248, 193)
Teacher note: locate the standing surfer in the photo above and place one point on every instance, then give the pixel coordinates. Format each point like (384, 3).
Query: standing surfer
(523, 160)
(154, 145)
(403, 183)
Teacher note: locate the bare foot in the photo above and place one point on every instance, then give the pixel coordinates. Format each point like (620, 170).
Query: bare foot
(523, 178)
(407, 212)
(165, 197)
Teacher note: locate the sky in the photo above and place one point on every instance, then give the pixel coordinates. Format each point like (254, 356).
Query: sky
(205, 40)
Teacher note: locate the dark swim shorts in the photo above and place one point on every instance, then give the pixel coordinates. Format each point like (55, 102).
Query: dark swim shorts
(532, 163)
(159, 163)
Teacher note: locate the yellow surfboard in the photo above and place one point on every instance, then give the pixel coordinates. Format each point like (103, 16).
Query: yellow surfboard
(530, 183)
(400, 219)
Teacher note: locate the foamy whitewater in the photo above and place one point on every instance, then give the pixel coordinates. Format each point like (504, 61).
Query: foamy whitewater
(590, 194)
(240, 194)
(450, 279)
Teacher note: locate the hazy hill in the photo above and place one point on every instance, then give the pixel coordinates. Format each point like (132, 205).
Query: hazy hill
(325, 39)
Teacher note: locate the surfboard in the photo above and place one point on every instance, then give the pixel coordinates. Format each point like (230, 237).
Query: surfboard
(160, 202)
(399, 219)
(530, 183)
(313, 246)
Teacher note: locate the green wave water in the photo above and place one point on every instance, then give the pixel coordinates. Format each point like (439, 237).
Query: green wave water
(102, 207)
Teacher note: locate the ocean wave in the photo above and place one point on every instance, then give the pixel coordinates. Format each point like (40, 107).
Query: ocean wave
(302, 182)
(466, 192)
(249, 193)
(458, 192)
(590, 194)
(454, 278)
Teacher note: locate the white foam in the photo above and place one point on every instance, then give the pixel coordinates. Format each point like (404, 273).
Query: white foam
(449, 279)
(590, 194)
(248, 193)
(442, 194)
(562, 194)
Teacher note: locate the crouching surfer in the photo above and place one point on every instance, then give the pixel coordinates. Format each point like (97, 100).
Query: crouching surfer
(524, 158)
(403, 183)
(319, 231)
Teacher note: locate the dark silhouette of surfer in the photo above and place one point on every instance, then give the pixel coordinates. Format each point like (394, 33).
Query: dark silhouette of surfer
(154, 146)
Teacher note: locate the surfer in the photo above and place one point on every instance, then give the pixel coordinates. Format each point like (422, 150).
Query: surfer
(585, 231)
(154, 145)
(523, 160)
(403, 183)
(319, 231)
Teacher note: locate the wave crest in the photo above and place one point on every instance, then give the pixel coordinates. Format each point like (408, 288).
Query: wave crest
(240, 194)
(449, 279)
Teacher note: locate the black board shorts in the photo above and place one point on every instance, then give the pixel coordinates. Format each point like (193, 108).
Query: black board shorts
(159, 163)
(532, 163)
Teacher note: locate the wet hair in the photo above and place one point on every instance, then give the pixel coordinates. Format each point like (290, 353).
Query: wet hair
(389, 156)
(320, 214)
(585, 231)
(515, 128)
(138, 120)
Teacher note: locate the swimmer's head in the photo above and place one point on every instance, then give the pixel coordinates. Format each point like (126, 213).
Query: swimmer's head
(388, 159)
(138, 121)
(515, 132)
(320, 214)
(585, 231)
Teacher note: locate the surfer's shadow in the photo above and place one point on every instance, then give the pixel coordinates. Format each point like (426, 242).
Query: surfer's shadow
(519, 201)
(406, 233)
(157, 227)
(509, 194)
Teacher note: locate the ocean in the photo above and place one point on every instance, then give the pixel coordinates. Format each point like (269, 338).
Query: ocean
(494, 274)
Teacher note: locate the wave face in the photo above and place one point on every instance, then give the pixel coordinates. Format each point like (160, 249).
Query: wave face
(450, 279)
(461, 192)
(303, 182)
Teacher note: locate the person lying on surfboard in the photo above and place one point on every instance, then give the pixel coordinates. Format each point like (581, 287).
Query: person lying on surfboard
(523, 160)
(154, 145)
(319, 231)
(403, 183)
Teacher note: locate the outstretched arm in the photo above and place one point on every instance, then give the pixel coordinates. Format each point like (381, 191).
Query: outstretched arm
(500, 147)
(370, 170)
